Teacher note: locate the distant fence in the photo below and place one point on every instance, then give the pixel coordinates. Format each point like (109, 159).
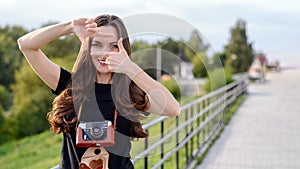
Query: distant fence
(177, 142)
(180, 140)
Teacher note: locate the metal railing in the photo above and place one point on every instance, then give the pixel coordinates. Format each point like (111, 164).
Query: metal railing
(180, 140)
(177, 142)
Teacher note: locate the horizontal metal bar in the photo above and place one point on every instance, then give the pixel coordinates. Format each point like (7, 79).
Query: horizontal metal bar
(184, 141)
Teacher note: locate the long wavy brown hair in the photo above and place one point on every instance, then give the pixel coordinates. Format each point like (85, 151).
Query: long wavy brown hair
(129, 99)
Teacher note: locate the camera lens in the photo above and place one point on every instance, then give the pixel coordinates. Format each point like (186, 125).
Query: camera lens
(97, 132)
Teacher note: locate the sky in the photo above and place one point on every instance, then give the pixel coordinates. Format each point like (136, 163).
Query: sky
(272, 26)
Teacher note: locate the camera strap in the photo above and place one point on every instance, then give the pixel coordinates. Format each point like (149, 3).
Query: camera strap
(81, 117)
(115, 117)
(73, 147)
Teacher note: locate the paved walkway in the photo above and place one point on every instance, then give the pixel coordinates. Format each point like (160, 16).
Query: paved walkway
(265, 131)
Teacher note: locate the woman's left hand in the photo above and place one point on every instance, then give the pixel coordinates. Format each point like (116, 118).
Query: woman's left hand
(119, 62)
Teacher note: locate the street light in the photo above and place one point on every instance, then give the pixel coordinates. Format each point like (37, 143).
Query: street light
(158, 62)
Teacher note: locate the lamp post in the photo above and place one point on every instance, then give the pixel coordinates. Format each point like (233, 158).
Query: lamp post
(158, 63)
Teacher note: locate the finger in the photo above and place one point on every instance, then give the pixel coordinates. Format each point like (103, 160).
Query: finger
(120, 45)
(96, 32)
(107, 61)
(91, 25)
(90, 20)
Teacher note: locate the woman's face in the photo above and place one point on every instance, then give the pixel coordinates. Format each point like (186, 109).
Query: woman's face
(101, 45)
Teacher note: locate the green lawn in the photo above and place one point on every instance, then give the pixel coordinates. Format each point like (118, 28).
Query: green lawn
(34, 152)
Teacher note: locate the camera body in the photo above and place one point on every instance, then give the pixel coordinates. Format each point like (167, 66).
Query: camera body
(95, 134)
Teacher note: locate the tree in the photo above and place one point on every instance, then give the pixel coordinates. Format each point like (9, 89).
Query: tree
(239, 51)
(62, 47)
(217, 78)
(194, 45)
(145, 54)
(10, 56)
(219, 59)
(32, 101)
(4, 97)
(200, 65)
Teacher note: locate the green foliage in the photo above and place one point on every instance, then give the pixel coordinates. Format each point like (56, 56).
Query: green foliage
(10, 56)
(145, 56)
(217, 78)
(4, 97)
(170, 45)
(238, 51)
(194, 45)
(200, 65)
(32, 101)
(62, 47)
(219, 59)
(2, 118)
(140, 45)
(172, 86)
(196, 42)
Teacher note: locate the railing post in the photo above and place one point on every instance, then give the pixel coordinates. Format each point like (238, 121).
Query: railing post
(192, 129)
(187, 143)
(198, 123)
(146, 157)
(162, 145)
(177, 143)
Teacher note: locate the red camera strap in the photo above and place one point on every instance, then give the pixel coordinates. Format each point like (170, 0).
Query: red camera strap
(115, 119)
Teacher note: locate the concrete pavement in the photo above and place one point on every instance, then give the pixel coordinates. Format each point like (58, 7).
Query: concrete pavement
(265, 131)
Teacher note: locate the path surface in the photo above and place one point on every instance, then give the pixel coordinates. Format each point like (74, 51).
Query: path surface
(265, 131)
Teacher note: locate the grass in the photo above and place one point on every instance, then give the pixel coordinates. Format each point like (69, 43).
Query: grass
(34, 152)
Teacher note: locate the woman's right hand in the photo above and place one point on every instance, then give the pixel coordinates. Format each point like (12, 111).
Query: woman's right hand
(83, 28)
(80, 28)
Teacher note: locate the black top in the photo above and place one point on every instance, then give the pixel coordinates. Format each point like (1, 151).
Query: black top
(119, 157)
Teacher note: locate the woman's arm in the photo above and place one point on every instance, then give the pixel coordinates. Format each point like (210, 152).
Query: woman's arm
(162, 101)
(31, 44)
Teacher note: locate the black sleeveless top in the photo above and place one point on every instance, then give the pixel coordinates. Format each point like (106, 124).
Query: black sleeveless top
(119, 154)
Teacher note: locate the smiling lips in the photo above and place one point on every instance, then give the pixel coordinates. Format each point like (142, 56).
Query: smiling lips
(103, 61)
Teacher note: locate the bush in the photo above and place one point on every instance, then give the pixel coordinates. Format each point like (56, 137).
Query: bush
(219, 77)
(4, 97)
(2, 118)
(172, 86)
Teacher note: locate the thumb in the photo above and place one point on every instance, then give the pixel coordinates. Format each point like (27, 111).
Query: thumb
(120, 45)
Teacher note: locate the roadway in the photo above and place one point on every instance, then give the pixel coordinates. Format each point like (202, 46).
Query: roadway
(265, 131)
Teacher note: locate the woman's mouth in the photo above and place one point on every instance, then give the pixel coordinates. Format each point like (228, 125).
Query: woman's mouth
(102, 61)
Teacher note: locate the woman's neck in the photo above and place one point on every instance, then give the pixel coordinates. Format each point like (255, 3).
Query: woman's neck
(103, 78)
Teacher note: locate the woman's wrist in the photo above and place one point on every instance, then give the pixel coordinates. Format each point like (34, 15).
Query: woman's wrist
(68, 28)
(133, 71)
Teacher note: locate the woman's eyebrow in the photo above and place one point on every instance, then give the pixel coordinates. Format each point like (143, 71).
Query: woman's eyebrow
(95, 41)
(113, 43)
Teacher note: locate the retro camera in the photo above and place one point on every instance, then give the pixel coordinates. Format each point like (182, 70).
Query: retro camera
(95, 134)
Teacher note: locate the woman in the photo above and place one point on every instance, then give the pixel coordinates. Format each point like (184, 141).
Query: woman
(102, 74)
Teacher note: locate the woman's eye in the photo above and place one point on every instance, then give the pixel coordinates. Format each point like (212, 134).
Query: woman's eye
(114, 47)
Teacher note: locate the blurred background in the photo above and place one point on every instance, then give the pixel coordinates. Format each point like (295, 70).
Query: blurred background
(234, 36)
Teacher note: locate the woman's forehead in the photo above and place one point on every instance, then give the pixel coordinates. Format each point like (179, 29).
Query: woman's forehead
(107, 30)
